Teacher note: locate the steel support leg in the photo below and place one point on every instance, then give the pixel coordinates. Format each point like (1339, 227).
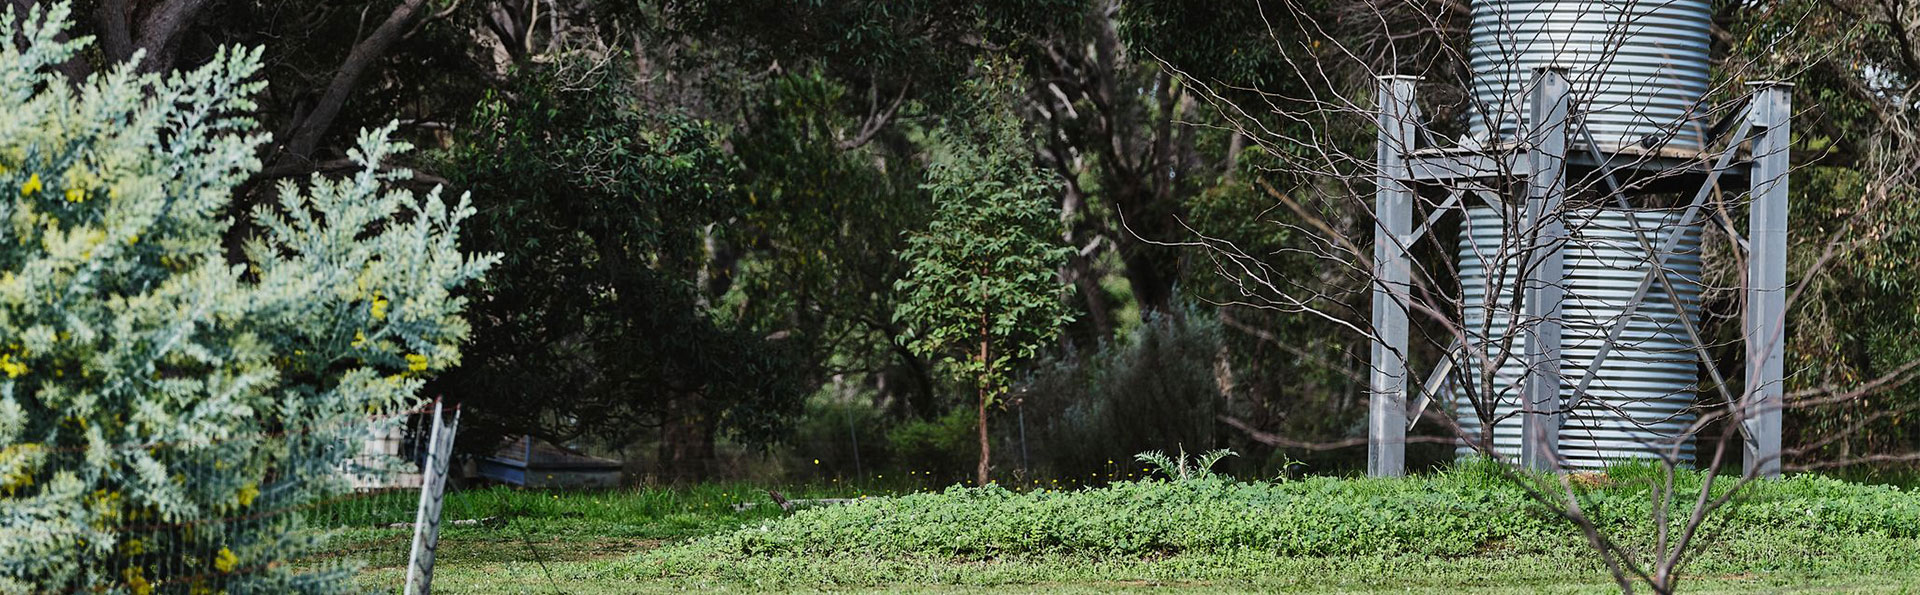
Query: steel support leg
(1767, 278)
(1544, 282)
(1393, 210)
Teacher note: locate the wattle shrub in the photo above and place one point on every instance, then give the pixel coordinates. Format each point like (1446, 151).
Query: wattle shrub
(166, 411)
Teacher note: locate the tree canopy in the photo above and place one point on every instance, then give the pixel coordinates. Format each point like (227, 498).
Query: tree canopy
(709, 213)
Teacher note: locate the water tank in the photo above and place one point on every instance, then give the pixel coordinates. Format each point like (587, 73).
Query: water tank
(1638, 67)
(1641, 401)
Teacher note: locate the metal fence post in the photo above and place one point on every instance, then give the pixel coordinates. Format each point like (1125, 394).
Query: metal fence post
(426, 523)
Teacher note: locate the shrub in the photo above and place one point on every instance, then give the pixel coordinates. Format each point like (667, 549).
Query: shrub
(1468, 510)
(165, 411)
(1154, 391)
(944, 444)
(825, 437)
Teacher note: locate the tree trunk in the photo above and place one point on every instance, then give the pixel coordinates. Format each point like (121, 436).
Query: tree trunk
(1150, 272)
(986, 388)
(919, 399)
(984, 454)
(686, 440)
(1089, 286)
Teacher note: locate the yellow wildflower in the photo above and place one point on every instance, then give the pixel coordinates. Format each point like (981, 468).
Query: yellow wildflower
(379, 308)
(11, 368)
(416, 362)
(32, 186)
(137, 583)
(359, 338)
(225, 561)
(76, 195)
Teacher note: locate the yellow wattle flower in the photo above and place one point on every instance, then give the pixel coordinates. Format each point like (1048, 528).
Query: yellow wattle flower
(379, 308)
(225, 561)
(32, 186)
(416, 362)
(137, 581)
(76, 195)
(12, 369)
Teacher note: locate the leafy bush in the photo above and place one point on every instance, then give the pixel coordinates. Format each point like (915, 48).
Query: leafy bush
(824, 438)
(1472, 509)
(164, 411)
(1154, 391)
(944, 444)
(593, 325)
(1181, 467)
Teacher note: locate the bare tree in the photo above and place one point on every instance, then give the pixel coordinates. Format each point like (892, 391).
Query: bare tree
(1588, 249)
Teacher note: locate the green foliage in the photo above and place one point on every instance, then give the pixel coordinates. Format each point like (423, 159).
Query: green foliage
(983, 291)
(1232, 43)
(165, 412)
(825, 436)
(1848, 566)
(593, 324)
(818, 248)
(921, 48)
(939, 444)
(1154, 389)
(649, 512)
(1182, 468)
(581, 539)
(1856, 318)
(1470, 511)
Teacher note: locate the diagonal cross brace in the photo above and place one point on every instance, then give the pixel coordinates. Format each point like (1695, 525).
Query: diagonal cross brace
(1659, 257)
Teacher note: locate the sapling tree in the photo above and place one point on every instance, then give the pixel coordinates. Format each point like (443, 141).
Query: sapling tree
(167, 407)
(982, 291)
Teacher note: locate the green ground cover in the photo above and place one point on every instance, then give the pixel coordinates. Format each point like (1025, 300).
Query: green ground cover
(1462, 529)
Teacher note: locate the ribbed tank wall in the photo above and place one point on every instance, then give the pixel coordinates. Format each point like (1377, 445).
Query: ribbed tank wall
(1638, 67)
(1640, 401)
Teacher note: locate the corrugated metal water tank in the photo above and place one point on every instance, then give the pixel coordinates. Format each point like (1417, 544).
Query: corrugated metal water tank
(1638, 67)
(1640, 401)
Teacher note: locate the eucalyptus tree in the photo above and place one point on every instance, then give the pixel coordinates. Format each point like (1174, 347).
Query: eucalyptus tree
(984, 291)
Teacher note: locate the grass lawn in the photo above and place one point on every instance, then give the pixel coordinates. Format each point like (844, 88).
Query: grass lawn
(1455, 531)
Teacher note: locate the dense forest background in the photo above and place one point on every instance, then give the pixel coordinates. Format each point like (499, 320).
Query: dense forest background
(703, 206)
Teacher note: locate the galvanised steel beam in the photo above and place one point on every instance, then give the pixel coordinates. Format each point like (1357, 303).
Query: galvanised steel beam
(1767, 278)
(1544, 284)
(1393, 212)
